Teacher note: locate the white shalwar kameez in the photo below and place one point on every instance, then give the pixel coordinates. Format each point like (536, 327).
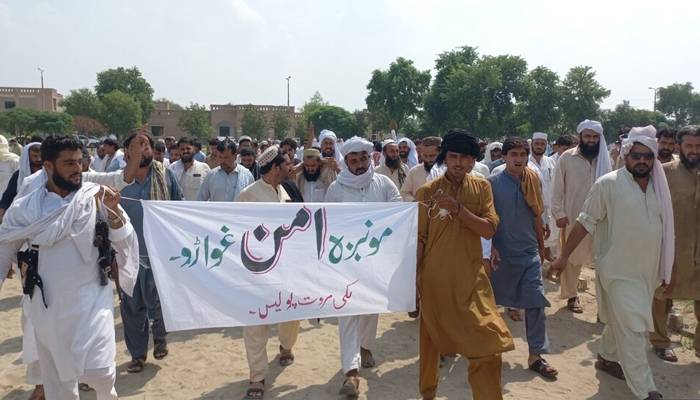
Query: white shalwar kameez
(360, 330)
(626, 226)
(75, 335)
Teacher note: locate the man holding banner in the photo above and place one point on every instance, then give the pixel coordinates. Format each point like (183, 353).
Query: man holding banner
(358, 183)
(274, 168)
(458, 309)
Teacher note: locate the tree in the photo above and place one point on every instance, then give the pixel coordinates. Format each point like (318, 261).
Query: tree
(334, 118)
(281, 124)
(399, 92)
(680, 103)
(361, 122)
(253, 123)
(53, 123)
(173, 105)
(626, 116)
(82, 102)
(18, 121)
(88, 126)
(128, 81)
(541, 105)
(194, 120)
(121, 112)
(581, 97)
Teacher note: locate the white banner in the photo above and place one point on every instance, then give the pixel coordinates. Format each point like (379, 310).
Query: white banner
(241, 264)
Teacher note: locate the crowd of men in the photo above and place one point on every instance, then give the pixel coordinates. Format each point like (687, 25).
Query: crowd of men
(491, 215)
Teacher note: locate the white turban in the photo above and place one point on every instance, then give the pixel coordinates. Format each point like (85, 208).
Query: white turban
(603, 164)
(5, 154)
(487, 153)
(356, 145)
(412, 153)
(326, 134)
(647, 137)
(539, 135)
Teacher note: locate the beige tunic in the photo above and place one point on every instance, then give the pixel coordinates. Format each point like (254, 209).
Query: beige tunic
(262, 192)
(685, 195)
(573, 179)
(416, 177)
(393, 175)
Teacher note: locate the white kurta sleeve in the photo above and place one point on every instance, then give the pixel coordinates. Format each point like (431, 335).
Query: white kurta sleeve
(486, 248)
(334, 193)
(126, 244)
(204, 192)
(112, 179)
(557, 201)
(8, 255)
(594, 208)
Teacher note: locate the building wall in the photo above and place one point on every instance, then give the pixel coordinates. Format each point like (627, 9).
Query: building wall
(164, 119)
(46, 99)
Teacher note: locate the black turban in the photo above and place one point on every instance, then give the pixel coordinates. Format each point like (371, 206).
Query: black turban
(458, 141)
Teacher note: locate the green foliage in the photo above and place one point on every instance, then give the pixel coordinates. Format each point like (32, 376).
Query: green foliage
(398, 92)
(281, 124)
(334, 118)
(543, 97)
(128, 81)
(23, 121)
(121, 112)
(626, 116)
(82, 102)
(680, 103)
(253, 123)
(581, 97)
(194, 120)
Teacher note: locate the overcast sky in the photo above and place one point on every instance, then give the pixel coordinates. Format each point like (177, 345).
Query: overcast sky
(241, 51)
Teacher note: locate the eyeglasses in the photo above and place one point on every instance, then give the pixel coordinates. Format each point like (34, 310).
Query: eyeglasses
(639, 156)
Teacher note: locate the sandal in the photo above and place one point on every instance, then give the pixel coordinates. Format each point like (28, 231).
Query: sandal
(544, 369)
(256, 391)
(351, 387)
(286, 357)
(610, 367)
(515, 314)
(38, 393)
(136, 365)
(367, 360)
(160, 349)
(84, 387)
(654, 396)
(666, 354)
(574, 305)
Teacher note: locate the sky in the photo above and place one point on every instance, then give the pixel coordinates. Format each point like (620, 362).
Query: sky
(241, 51)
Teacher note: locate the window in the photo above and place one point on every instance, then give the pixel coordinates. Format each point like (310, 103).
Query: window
(10, 104)
(224, 131)
(157, 130)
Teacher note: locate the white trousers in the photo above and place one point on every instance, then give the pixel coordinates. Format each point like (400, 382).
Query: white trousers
(102, 380)
(621, 344)
(355, 332)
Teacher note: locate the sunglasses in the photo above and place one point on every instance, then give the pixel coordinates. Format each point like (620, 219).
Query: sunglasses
(639, 156)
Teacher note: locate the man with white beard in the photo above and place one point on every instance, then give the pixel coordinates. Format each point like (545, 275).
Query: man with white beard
(358, 183)
(72, 308)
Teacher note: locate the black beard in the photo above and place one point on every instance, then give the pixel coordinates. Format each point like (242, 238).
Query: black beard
(328, 153)
(392, 163)
(639, 174)
(146, 162)
(427, 166)
(312, 177)
(186, 158)
(403, 154)
(689, 164)
(65, 184)
(534, 152)
(665, 153)
(589, 151)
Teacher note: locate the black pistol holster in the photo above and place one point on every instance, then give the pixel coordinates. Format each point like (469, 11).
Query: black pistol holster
(28, 261)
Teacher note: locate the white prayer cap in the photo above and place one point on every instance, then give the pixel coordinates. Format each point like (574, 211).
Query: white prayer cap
(595, 126)
(387, 142)
(268, 155)
(356, 145)
(539, 135)
(243, 138)
(645, 135)
(326, 134)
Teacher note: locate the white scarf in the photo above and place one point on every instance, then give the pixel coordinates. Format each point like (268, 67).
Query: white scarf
(25, 167)
(347, 178)
(412, 153)
(5, 154)
(647, 136)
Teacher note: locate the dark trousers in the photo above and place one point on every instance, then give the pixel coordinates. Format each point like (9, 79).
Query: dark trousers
(134, 311)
